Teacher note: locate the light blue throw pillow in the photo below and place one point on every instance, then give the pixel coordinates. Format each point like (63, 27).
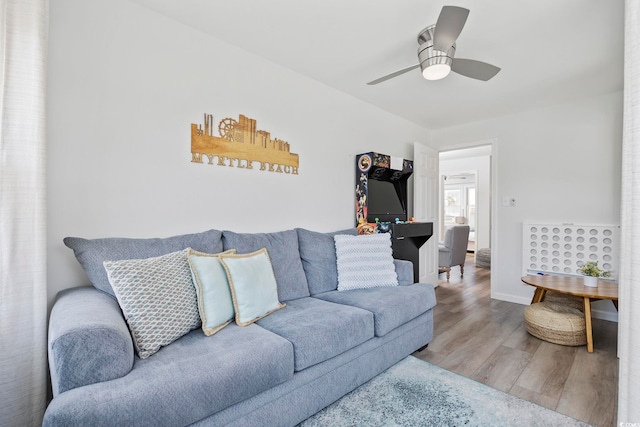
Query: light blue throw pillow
(253, 285)
(212, 290)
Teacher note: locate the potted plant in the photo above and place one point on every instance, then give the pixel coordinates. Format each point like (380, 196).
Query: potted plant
(592, 272)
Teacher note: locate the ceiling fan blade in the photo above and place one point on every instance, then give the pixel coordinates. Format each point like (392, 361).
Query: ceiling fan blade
(448, 27)
(475, 69)
(392, 75)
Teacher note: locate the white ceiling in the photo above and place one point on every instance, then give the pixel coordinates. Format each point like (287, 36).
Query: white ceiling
(550, 51)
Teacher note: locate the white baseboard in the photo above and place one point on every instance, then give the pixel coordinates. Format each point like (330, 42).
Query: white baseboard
(595, 314)
(511, 298)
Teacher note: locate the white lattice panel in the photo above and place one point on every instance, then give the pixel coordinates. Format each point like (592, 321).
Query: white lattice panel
(563, 248)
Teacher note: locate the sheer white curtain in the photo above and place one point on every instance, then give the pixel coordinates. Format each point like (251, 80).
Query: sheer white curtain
(23, 289)
(629, 326)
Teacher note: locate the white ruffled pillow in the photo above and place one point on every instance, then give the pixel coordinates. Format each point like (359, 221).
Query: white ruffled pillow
(365, 261)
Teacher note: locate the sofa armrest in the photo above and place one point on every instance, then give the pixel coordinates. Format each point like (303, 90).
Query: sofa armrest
(89, 341)
(404, 270)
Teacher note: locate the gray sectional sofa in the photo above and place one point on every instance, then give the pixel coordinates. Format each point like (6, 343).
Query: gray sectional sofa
(275, 372)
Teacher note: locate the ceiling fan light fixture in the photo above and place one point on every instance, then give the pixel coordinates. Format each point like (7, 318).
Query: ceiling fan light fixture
(436, 71)
(436, 67)
(434, 64)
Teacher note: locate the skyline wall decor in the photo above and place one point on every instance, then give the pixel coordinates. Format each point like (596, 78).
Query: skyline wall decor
(242, 145)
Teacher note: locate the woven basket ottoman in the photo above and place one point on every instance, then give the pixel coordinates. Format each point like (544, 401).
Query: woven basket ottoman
(556, 322)
(569, 300)
(483, 258)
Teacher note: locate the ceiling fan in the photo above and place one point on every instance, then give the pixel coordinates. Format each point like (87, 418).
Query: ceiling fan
(437, 47)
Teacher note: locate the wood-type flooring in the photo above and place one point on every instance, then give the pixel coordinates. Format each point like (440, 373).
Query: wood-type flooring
(486, 340)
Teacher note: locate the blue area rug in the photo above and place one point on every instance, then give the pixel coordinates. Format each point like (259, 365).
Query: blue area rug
(417, 393)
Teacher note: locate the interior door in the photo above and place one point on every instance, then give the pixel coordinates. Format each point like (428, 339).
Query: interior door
(426, 206)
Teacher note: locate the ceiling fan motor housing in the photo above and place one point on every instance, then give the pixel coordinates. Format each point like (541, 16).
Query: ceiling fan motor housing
(427, 55)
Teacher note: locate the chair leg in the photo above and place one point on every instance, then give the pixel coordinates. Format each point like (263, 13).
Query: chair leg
(448, 273)
(461, 270)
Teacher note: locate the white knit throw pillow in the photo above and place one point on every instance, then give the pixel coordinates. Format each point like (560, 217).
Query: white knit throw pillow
(365, 261)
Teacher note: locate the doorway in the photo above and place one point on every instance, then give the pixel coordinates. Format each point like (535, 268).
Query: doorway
(465, 193)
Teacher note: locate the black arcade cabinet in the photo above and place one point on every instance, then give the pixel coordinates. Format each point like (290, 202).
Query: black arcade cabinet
(381, 205)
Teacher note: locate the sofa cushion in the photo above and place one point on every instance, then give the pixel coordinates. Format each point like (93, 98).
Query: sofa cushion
(157, 298)
(365, 261)
(185, 382)
(318, 254)
(391, 307)
(92, 253)
(212, 290)
(319, 330)
(284, 254)
(253, 285)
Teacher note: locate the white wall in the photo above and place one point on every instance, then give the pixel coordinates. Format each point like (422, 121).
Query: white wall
(561, 164)
(481, 165)
(125, 84)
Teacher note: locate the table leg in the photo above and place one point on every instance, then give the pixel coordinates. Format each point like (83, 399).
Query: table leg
(615, 303)
(587, 322)
(538, 295)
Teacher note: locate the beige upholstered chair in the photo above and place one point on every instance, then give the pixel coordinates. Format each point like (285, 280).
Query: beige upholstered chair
(453, 250)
